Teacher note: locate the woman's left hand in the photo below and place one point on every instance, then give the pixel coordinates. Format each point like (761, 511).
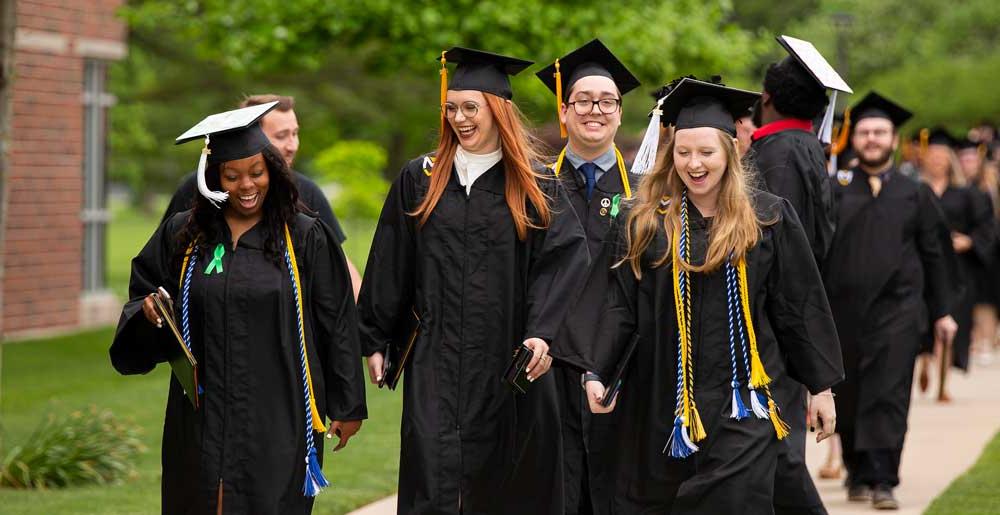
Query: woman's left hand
(961, 243)
(345, 429)
(822, 410)
(540, 360)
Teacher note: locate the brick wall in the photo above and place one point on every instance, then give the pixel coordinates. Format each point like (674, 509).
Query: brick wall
(43, 234)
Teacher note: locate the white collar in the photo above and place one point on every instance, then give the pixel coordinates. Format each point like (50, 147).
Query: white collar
(472, 166)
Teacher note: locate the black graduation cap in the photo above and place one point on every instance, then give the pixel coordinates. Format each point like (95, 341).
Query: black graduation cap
(480, 71)
(941, 136)
(695, 103)
(966, 144)
(874, 105)
(688, 103)
(228, 136)
(806, 55)
(591, 59)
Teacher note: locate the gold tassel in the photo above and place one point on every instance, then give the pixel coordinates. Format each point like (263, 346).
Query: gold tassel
(697, 428)
(925, 136)
(758, 376)
(982, 151)
(559, 95)
(444, 80)
(843, 136)
(780, 427)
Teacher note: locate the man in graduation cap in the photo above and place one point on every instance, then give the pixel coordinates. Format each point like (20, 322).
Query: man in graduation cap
(589, 83)
(789, 156)
(888, 280)
(281, 127)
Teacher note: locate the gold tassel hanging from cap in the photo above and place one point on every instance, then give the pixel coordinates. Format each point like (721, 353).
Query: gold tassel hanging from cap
(843, 136)
(559, 96)
(925, 137)
(444, 79)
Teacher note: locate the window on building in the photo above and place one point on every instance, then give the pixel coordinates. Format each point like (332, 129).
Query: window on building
(95, 213)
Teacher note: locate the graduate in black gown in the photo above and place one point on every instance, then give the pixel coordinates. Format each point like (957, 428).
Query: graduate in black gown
(972, 235)
(887, 277)
(718, 283)
(589, 83)
(263, 301)
(480, 241)
(789, 157)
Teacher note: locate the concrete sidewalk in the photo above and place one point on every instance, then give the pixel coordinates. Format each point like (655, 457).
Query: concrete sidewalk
(944, 440)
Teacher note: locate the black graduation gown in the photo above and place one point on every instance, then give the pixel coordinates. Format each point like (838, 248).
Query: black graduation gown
(249, 434)
(466, 438)
(886, 252)
(967, 211)
(793, 166)
(585, 434)
(309, 193)
(733, 472)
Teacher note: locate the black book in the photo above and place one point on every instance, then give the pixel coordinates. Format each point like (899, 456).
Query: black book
(516, 376)
(614, 384)
(182, 362)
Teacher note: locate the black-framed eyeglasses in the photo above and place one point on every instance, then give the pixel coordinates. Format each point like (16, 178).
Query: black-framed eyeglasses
(469, 109)
(604, 105)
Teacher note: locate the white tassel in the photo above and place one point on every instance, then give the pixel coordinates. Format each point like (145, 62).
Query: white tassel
(759, 406)
(826, 127)
(215, 197)
(645, 158)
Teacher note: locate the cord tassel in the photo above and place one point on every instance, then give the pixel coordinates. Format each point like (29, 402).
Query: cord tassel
(758, 376)
(559, 98)
(739, 411)
(215, 197)
(315, 480)
(679, 444)
(780, 427)
(759, 405)
(697, 428)
(645, 157)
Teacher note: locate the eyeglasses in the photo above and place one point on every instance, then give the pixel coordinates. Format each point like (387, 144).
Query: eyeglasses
(469, 110)
(604, 105)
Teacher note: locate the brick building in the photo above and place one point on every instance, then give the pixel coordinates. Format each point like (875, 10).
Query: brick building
(53, 104)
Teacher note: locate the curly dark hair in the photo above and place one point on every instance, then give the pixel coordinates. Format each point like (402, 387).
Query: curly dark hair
(206, 222)
(793, 90)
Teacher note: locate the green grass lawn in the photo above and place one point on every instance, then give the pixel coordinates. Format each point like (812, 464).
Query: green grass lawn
(64, 374)
(977, 492)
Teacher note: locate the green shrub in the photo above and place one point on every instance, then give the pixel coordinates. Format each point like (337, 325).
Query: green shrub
(355, 166)
(80, 448)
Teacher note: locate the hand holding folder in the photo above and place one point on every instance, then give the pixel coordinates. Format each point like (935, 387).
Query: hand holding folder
(182, 361)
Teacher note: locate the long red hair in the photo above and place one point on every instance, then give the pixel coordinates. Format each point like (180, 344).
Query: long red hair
(520, 179)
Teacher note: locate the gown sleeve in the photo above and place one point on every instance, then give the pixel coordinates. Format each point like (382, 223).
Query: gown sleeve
(798, 309)
(387, 288)
(934, 255)
(558, 264)
(138, 344)
(335, 325)
(982, 228)
(598, 328)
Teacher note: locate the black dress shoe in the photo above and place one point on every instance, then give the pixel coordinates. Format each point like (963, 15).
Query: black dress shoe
(859, 493)
(882, 498)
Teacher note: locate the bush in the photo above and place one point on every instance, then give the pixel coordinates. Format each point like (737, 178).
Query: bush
(85, 447)
(355, 166)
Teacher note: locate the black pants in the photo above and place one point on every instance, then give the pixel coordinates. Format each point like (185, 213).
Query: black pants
(872, 467)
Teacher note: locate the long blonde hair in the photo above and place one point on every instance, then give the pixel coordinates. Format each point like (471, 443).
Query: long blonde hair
(735, 229)
(520, 179)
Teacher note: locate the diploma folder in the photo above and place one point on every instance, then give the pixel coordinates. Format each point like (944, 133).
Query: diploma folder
(614, 385)
(182, 362)
(398, 353)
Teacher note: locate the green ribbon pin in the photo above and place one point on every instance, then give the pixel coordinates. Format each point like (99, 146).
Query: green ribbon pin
(216, 264)
(617, 199)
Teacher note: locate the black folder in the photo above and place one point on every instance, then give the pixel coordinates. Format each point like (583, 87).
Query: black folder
(398, 353)
(182, 362)
(614, 384)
